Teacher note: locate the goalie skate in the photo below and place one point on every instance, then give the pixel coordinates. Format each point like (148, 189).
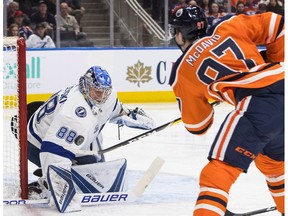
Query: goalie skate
(37, 191)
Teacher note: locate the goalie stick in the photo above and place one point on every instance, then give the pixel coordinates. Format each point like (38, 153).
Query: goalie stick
(255, 212)
(109, 197)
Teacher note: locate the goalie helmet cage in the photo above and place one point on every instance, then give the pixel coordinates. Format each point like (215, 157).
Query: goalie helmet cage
(15, 164)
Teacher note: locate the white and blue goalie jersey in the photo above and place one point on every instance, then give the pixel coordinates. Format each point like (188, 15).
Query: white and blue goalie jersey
(65, 122)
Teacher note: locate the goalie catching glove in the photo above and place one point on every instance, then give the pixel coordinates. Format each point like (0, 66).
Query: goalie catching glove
(135, 118)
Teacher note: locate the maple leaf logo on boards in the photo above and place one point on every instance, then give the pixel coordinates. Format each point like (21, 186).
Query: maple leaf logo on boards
(138, 73)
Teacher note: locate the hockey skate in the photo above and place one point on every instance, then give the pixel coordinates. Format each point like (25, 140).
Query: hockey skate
(38, 190)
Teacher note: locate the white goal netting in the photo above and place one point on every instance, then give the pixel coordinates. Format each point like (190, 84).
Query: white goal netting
(11, 147)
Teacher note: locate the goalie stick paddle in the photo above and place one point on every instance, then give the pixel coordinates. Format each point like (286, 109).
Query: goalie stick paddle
(145, 134)
(255, 212)
(109, 197)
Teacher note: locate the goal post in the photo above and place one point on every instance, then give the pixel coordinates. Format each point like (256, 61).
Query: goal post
(15, 163)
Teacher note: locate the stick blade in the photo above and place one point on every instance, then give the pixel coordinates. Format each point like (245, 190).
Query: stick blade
(228, 213)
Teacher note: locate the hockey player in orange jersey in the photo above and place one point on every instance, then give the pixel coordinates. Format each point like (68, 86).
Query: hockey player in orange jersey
(223, 64)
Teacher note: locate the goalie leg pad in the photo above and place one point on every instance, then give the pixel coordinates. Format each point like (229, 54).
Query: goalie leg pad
(62, 189)
(100, 177)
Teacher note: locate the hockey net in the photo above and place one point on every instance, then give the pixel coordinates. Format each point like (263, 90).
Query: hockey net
(15, 170)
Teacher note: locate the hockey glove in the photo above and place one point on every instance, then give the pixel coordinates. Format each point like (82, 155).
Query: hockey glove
(135, 118)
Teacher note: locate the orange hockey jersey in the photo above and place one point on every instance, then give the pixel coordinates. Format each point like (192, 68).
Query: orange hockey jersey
(227, 58)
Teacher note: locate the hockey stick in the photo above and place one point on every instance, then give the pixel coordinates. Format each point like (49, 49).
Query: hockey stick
(145, 134)
(140, 136)
(125, 142)
(131, 140)
(109, 197)
(255, 212)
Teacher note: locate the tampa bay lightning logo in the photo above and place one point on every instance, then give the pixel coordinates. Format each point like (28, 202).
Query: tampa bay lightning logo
(81, 112)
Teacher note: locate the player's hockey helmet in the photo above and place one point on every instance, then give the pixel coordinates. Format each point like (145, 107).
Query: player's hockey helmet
(190, 21)
(95, 85)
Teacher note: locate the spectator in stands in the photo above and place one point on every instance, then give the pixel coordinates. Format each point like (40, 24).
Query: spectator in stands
(250, 7)
(220, 4)
(192, 3)
(43, 15)
(11, 9)
(234, 3)
(40, 39)
(240, 6)
(228, 8)
(205, 4)
(266, 2)
(214, 14)
(51, 6)
(8, 2)
(24, 30)
(262, 8)
(69, 22)
(180, 3)
(75, 9)
(28, 6)
(276, 7)
(13, 30)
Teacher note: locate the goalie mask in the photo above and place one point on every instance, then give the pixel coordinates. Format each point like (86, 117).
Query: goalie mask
(96, 86)
(190, 21)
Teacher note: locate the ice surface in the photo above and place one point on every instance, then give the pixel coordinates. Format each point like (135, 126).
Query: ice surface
(174, 190)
